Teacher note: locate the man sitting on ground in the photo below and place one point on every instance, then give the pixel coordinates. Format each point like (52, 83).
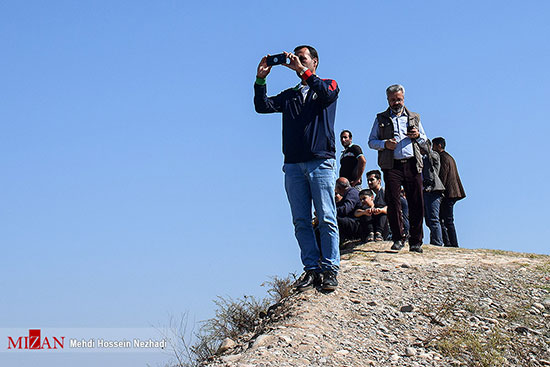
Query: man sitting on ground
(374, 179)
(372, 220)
(365, 215)
(348, 225)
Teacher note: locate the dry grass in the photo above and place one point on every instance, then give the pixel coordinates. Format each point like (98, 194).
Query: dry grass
(515, 254)
(233, 318)
(280, 288)
(474, 349)
(502, 345)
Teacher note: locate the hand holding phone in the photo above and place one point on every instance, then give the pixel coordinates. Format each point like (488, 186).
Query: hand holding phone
(276, 59)
(412, 132)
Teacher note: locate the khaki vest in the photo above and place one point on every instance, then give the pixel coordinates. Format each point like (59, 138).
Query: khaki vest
(385, 131)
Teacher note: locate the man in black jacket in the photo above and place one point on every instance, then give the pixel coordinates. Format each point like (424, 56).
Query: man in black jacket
(348, 224)
(308, 111)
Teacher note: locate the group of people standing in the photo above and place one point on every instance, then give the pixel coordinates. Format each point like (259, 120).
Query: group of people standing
(308, 116)
(441, 189)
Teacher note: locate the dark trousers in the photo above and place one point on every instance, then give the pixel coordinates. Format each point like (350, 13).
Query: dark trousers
(406, 175)
(447, 219)
(348, 228)
(372, 224)
(405, 215)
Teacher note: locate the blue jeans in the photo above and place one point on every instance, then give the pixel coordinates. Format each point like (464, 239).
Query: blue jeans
(308, 182)
(448, 222)
(432, 202)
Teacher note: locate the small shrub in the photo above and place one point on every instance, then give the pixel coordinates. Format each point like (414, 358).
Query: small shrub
(280, 288)
(233, 318)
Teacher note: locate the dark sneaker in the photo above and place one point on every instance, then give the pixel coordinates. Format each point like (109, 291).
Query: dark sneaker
(397, 245)
(307, 281)
(329, 281)
(370, 237)
(416, 249)
(378, 237)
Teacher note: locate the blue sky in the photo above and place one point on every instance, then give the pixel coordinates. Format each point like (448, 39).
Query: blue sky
(139, 183)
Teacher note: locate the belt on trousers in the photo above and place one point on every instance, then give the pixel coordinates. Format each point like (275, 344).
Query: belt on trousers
(402, 161)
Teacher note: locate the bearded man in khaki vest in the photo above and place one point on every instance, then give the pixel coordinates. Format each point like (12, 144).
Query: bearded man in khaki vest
(397, 135)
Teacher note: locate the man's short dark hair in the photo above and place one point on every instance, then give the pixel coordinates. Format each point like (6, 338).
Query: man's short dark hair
(439, 141)
(376, 174)
(312, 52)
(346, 131)
(367, 192)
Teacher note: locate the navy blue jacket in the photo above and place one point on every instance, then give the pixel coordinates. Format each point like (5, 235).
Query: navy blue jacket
(346, 207)
(308, 126)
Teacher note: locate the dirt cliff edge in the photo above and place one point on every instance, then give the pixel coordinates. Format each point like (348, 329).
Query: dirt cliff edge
(445, 307)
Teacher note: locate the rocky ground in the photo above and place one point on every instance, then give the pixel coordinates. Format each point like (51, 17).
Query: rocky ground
(445, 307)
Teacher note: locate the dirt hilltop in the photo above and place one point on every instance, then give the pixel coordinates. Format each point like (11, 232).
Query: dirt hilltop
(445, 307)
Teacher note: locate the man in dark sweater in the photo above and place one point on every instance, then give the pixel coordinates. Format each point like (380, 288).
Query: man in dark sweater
(374, 180)
(448, 173)
(365, 214)
(308, 111)
(348, 224)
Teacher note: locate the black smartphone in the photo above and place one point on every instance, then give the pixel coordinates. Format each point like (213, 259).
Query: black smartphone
(276, 59)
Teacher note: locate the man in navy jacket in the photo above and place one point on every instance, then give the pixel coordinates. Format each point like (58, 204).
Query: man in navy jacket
(309, 148)
(348, 224)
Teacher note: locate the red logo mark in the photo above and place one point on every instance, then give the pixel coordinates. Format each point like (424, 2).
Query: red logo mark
(35, 341)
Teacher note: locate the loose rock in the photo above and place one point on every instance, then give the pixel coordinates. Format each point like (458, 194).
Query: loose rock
(262, 340)
(407, 308)
(226, 345)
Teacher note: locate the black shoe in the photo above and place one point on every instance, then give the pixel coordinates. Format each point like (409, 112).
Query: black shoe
(370, 237)
(378, 237)
(416, 249)
(397, 245)
(329, 281)
(307, 281)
